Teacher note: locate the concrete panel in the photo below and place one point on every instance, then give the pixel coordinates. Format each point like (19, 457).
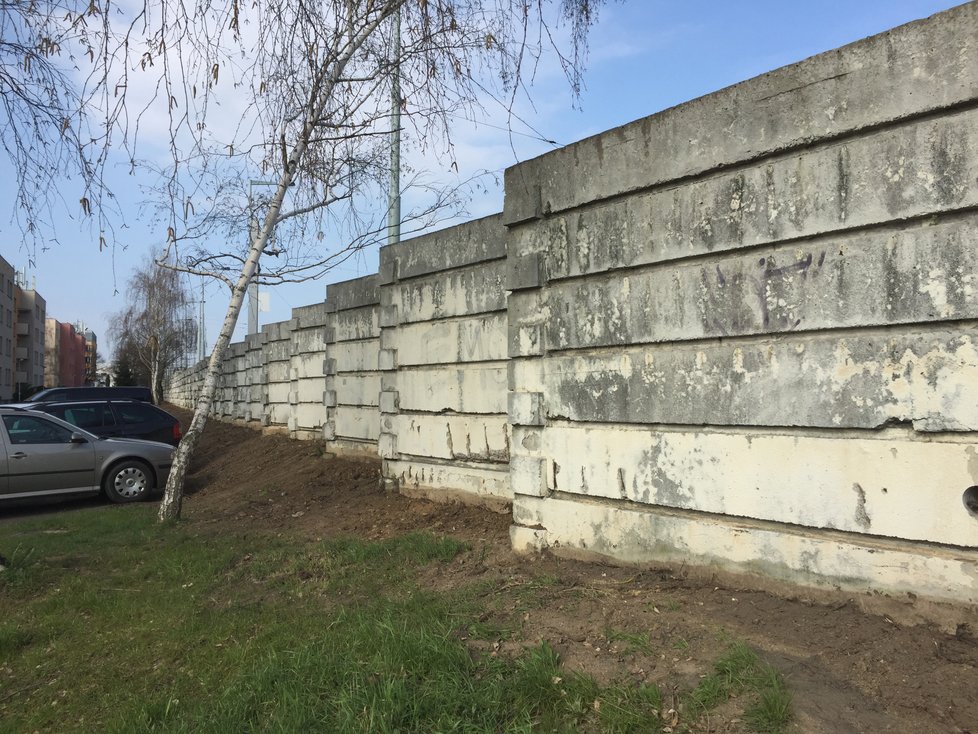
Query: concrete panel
(915, 69)
(474, 339)
(277, 351)
(307, 365)
(278, 392)
(310, 390)
(279, 371)
(311, 316)
(355, 293)
(908, 172)
(359, 423)
(356, 324)
(474, 388)
(830, 560)
(355, 356)
(883, 485)
(309, 340)
(462, 437)
(864, 380)
(472, 290)
(356, 389)
(309, 415)
(916, 274)
(454, 477)
(472, 242)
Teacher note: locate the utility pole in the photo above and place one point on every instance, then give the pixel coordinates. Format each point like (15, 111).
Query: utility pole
(201, 335)
(252, 233)
(394, 197)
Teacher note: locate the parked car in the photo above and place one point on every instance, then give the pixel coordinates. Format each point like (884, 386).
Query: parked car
(41, 455)
(64, 394)
(122, 418)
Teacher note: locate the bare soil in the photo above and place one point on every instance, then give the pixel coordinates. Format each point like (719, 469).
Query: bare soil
(849, 671)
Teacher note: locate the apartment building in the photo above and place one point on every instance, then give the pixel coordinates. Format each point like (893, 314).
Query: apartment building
(67, 349)
(30, 312)
(7, 320)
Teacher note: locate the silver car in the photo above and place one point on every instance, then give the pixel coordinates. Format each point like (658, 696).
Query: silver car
(41, 455)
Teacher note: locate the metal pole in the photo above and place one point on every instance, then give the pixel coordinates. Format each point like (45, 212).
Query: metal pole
(201, 338)
(252, 233)
(394, 196)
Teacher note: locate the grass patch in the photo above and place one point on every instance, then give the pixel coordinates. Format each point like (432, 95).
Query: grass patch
(113, 623)
(740, 672)
(632, 641)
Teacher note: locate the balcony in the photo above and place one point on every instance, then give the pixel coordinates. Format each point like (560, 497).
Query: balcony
(22, 328)
(22, 353)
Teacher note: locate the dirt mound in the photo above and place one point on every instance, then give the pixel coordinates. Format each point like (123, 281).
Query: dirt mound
(849, 671)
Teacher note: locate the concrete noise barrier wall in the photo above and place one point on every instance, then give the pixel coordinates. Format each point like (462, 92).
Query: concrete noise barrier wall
(743, 330)
(738, 335)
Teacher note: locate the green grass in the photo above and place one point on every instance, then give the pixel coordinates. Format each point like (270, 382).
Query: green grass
(739, 671)
(110, 622)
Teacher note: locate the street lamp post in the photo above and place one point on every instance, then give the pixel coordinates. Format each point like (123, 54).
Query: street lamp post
(252, 233)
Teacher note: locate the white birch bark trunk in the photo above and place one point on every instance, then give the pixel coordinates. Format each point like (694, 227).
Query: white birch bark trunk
(172, 502)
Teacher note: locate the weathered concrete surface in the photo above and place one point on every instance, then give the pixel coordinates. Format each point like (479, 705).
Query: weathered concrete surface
(909, 71)
(455, 247)
(356, 324)
(449, 479)
(920, 273)
(927, 377)
(472, 290)
(472, 388)
(477, 438)
(827, 560)
(892, 174)
(450, 341)
(718, 314)
(356, 422)
(885, 484)
(350, 294)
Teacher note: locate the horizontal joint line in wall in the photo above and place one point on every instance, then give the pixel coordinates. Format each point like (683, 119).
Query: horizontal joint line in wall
(499, 360)
(788, 151)
(500, 467)
(963, 553)
(449, 412)
(877, 330)
(356, 340)
(882, 433)
(402, 279)
(721, 255)
(461, 365)
(457, 317)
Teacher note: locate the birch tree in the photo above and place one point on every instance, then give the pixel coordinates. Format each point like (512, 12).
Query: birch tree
(154, 328)
(311, 83)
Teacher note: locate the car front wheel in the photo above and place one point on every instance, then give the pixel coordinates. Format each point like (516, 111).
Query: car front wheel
(128, 481)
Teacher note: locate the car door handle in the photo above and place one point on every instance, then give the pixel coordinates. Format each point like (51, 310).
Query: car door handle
(18, 455)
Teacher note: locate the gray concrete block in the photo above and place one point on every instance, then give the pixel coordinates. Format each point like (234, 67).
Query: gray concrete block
(927, 378)
(912, 70)
(528, 476)
(354, 293)
(389, 401)
(916, 273)
(454, 247)
(387, 359)
(526, 409)
(388, 317)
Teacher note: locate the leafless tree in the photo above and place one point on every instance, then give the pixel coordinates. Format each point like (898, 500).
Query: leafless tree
(296, 96)
(62, 105)
(154, 329)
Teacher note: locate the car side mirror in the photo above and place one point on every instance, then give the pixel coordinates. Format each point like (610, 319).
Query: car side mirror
(78, 438)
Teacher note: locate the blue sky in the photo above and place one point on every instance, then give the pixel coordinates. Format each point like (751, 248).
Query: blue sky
(646, 56)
